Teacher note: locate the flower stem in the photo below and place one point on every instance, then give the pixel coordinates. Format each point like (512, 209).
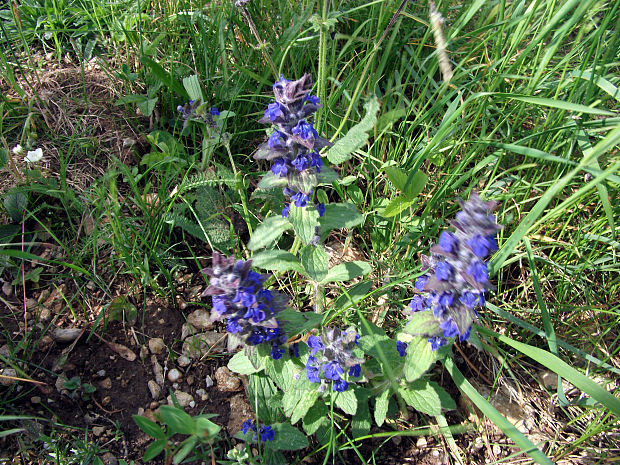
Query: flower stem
(261, 44)
(319, 297)
(322, 74)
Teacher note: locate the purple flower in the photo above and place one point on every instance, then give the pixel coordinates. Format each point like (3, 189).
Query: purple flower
(437, 342)
(340, 385)
(311, 99)
(401, 347)
(481, 245)
(247, 426)
(478, 270)
(320, 207)
(355, 370)
(276, 352)
(421, 282)
(274, 139)
(304, 130)
(286, 210)
(332, 370)
(443, 271)
(266, 433)
(300, 163)
(314, 342)
(300, 199)
(279, 167)
(214, 111)
(417, 303)
(448, 242)
(312, 371)
(273, 111)
(315, 161)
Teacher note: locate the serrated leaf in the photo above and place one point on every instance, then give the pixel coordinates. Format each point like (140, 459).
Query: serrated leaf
(347, 271)
(281, 371)
(289, 401)
(306, 401)
(268, 232)
(419, 358)
(15, 204)
(287, 437)
(314, 261)
(339, 215)
(396, 206)
(397, 177)
(149, 427)
(382, 403)
(315, 418)
(277, 260)
(271, 181)
(427, 397)
(422, 324)
(240, 363)
(326, 176)
(360, 423)
(177, 420)
(382, 348)
(147, 105)
(192, 86)
(357, 136)
(347, 401)
(260, 392)
(293, 322)
(305, 221)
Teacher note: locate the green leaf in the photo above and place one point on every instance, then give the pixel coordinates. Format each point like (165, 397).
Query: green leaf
(397, 177)
(294, 322)
(193, 88)
(360, 423)
(327, 176)
(382, 402)
(186, 448)
(240, 363)
(260, 392)
(277, 260)
(314, 261)
(271, 181)
(380, 346)
(306, 401)
(147, 105)
(304, 221)
(347, 271)
(396, 206)
(422, 324)
(268, 232)
(339, 215)
(287, 437)
(560, 104)
(149, 427)
(4, 157)
(177, 420)
(15, 204)
(356, 137)
(492, 414)
(205, 428)
(427, 397)
(352, 296)
(282, 372)
(347, 401)
(154, 450)
(419, 358)
(315, 418)
(415, 184)
(164, 76)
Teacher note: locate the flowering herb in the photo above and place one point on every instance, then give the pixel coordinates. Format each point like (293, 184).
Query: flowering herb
(237, 294)
(456, 272)
(293, 145)
(266, 433)
(331, 355)
(195, 111)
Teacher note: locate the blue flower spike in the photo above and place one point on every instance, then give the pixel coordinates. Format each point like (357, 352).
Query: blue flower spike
(456, 273)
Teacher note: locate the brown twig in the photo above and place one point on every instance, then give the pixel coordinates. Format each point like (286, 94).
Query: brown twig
(472, 366)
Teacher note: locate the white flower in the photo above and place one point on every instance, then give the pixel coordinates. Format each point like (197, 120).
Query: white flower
(18, 149)
(34, 156)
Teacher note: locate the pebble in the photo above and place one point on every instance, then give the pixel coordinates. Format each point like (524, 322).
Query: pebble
(226, 381)
(5, 351)
(141, 411)
(183, 361)
(45, 315)
(101, 373)
(421, 442)
(109, 459)
(45, 343)
(158, 371)
(209, 341)
(497, 450)
(148, 413)
(155, 389)
(106, 400)
(192, 404)
(202, 393)
(190, 380)
(186, 330)
(31, 303)
(174, 375)
(200, 319)
(183, 397)
(98, 430)
(65, 334)
(208, 381)
(153, 405)
(156, 345)
(7, 289)
(35, 399)
(105, 383)
(60, 382)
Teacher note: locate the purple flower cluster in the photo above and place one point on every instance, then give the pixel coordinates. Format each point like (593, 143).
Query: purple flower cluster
(456, 272)
(195, 111)
(293, 146)
(237, 294)
(331, 354)
(266, 433)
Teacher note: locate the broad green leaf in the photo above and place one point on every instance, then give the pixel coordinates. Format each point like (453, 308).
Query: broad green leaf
(326, 176)
(339, 215)
(347, 271)
(15, 204)
(421, 397)
(164, 76)
(260, 392)
(380, 347)
(154, 449)
(289, 401)
(268, 232)
(352, 295)
(347, 401)
(149, 427)
(420, 357)
(357, 136)
(277, 260)
(205, 427)
(415, 184)
(306, 401)
(288, 437)
(193, 88)
(187, 446)
(397, 177)
(422, 324)
(305, 221)
(282, 372)
(147, 105)
(294, 322)
(361, 422)
(315, 417)
(397, 205)
(492, 414)
(271, 181)
(382, 402)
(314, 261)
(177, 420)
(240, 363)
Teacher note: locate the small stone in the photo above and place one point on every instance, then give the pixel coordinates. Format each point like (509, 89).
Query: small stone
(66, 334)
(101, 373)
(98, 430)
(45, 343)
(198, 345)
(174, 375)
(202, 393)
(155, 389)
(208, 381)
(497, 450)
(5, 351)
(153, 405)
(186, 330)
(240, 411)
(200, 319)
(31, 303)
(45, 315)
(182, 397)
(421, 442)
(190, 380)
(192, 404)
(148, 413)
(548, 379)
(106, 383)
(90, 285)
(183, 361)
(226, 380)
(7, 289)
(157, 370)
(60, 382)
(106, 400)
(156, 345)
(109, 459)
(35, 399)
(140, 411)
